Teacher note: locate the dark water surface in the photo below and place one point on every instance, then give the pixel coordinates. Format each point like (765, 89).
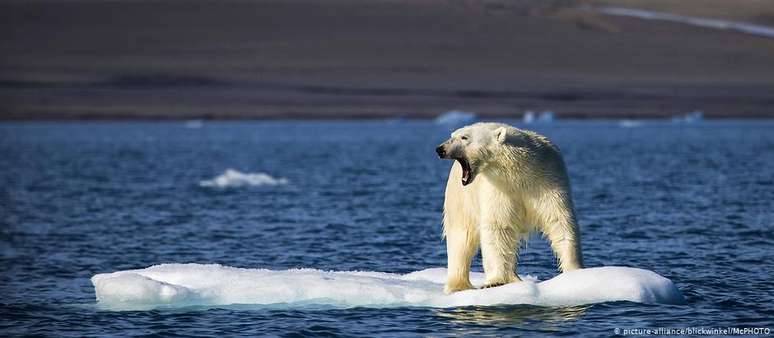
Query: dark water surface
(693, 202)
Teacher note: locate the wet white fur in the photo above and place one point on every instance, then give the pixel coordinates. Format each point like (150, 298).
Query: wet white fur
(520, 186)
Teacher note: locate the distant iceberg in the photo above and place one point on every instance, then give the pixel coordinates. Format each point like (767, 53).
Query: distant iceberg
(692, 117)
(193, 124)
(455, 117)
(233, 178)
(212, 285)
(628, 123)
(545, 116)
(529, 117)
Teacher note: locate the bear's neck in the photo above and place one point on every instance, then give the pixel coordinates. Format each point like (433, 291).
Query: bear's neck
(513, 165)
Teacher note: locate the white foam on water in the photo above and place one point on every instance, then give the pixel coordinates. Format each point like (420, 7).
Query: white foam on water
(233, 178)
(690, 20)
(182, 285)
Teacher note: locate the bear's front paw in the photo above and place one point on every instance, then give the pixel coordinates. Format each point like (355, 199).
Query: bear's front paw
(452, 288)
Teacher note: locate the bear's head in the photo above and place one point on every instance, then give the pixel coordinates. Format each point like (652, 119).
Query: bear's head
(473, 147)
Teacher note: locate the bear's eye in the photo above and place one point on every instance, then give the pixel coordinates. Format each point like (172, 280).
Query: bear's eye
(464, 137)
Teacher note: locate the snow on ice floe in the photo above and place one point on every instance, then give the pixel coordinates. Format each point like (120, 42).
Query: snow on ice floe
(233, 178)
(212, 285)
(690, 20)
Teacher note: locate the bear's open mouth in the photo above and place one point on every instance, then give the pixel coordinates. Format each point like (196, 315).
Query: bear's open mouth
(466, 177)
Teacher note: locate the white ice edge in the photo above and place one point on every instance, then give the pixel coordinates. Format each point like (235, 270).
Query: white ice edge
(212, 285)
(690, 20)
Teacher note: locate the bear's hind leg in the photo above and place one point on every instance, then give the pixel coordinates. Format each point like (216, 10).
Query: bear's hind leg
(461, 246)
(565, 242)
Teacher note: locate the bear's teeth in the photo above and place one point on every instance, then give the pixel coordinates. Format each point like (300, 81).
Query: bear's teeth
(465, 177)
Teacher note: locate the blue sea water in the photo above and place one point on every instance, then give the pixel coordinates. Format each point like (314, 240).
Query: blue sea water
(692, 202)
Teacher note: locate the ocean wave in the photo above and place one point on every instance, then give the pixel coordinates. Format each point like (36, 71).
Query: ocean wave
(213, 285)
(233, 178)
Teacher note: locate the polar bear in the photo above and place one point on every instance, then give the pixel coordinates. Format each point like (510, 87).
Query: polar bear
(504, 184)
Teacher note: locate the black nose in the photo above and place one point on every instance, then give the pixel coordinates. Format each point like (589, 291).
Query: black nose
(441, 152)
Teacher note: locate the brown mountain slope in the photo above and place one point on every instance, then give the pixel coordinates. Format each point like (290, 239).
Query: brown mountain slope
(352, 58)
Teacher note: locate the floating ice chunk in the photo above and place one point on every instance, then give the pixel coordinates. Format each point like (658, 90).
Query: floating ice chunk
(179, 285)
(455, 117)
(234, 178)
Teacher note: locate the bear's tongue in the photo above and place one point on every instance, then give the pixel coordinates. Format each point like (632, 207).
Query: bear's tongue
(465, 171)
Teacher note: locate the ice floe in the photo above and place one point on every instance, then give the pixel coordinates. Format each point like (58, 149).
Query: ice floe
(233, 178)
(212, 285)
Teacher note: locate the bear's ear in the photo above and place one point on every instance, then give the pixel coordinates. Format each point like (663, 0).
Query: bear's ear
(500, 134)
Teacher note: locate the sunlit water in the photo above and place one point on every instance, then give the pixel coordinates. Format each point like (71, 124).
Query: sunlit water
(692, 202)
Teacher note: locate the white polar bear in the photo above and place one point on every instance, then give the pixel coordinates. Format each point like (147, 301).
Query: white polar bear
(504, 184)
